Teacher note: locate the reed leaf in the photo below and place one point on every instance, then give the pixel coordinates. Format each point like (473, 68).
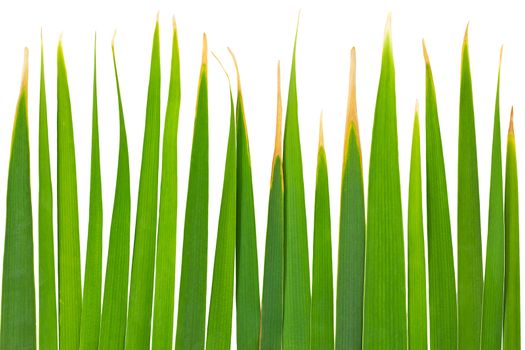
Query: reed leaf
(143, 265)
(247, 279)
(192, 295)
(272, 298)
(492, 318)
(91, 303)
(221, 302)
(512, 319)
(297, 300)
(47, 305)
(115, 305)
(69, 282)
(167, 226)
(322, 323)
(417, 283)
(385, 324)
(352, 227)
(18, 318)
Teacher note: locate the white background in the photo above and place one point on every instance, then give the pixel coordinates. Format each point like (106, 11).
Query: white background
(260, 35)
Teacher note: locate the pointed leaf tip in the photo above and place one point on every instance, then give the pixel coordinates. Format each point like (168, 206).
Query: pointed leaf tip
(388, 25)
(236, 69)
(425, 53)
(278, 127)
(511, 123)
(24, 70)
(465, 39)
(500, 57)
(204, 50)
(173, 22)
(321, 136)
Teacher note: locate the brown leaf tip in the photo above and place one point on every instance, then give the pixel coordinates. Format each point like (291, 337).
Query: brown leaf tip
(511, 123)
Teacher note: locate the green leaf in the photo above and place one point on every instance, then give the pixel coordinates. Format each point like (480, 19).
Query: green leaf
(143, 265)
(69, 283)
(352, 227)
(322, 323)
(512, 320)
(18, 320)
(247, 287)
(296, 324)
(90, 322)
(492, 321)
(441, 277)
(272, 298)
(385, 323)
(192, 296)
(470, 268)
(47, 305)
(417, 283)
(221, 303)
(167, 239)
(114, 309)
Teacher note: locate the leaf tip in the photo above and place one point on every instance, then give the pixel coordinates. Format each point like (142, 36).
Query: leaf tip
(25, 69)
(223, 68)
(279, 118)
(204, 50)
(388, 25)
(425, 53)
(500, 56)
(511, 123)
(465, 39)
(351, 112)
(321, 136)
(174, 23)
(237, 70)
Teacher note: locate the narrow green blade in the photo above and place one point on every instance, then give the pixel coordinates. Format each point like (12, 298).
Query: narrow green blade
(322, 323)
(90, 322)
(470, 268)
(417, 283)
(247, 279)
(352, 227)
(143, 265)
(114, 309)
(221, 303)
(441, 277)
(296, 324)
(167, 240)
(492, 321)
(69, 283)
(272, 298)
(18, 320)
(385, 323)
(192, 295)
(512, 320)
(47, 305)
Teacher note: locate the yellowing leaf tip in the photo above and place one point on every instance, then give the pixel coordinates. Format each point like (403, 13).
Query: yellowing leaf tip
(321, 137)
(500, 55)
(278, 126)
(388, 25)
(511, 123)
(425, 53)
(465, 39)
(113, 40)
(204, 50)
(173, 22)
(25, 68)
(237, 70)
(223, 68)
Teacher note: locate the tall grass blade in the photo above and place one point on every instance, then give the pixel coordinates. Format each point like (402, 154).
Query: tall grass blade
(417, 283)
(115, 305)
(296, 324)
(470, 268)
(69, 283)
(221, 303)
(512, 319)
(492, 321)
(192, 295)
(441, 277)
(167, 236)
(385, 323)
(247, 281)
(352, 227)
(18, 319)
(272, 298)
(91, 303)
(322, 323)
(143, 265)
(47, 305)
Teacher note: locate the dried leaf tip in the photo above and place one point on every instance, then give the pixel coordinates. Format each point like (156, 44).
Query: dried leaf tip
(465, 39)
(417, 107)
(237, 70)
(278, 126)
(351, 112)
(321, 136)
(223, 68)
(174, 23)
(24, 70)
(511, 123)
(157, 18)
(500, 56)
(425, 53)
(204, 50)
(113, 40)
(388, 25)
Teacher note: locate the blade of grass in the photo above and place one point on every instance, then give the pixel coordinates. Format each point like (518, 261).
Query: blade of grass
(18, 319)
(512, 320)
(470, 268)
(492, 321)
(272, 298)
(69, 282)
(47, 305)
(385, 324)
(221, 302)
(167, 226)
(90, 322)
(350, 269)
(143, 265)
(114, 309)
(417, 284)
(192, 295)
(296, 324)
(441, 277)
(322, 323)
(247, 287)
